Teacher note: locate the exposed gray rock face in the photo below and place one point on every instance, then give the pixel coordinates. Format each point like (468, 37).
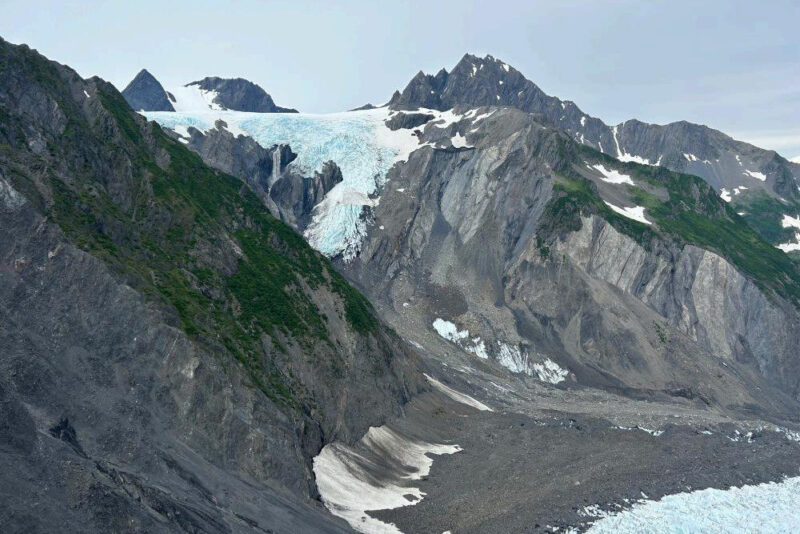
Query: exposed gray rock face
(462, 236)
(239, 94)
(296, 196)
(145, 93)
(679, 146)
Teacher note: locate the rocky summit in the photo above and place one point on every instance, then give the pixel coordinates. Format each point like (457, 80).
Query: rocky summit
(475, 309)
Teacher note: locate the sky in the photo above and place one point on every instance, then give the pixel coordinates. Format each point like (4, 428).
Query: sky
(732, 65)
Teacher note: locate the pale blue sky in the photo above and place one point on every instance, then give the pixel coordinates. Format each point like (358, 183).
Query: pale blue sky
(731, 64)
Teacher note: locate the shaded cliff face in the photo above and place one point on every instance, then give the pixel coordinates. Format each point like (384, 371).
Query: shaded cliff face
(762, 184)
(168, 345)
(524, 248)
(238, 94)
(146, 93)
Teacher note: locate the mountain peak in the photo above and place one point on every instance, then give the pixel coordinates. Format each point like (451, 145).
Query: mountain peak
(146, 93)
(473, 82)
(238, 94)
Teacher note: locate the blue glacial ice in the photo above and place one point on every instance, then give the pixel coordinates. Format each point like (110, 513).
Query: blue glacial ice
(359, 142)
(765, 508)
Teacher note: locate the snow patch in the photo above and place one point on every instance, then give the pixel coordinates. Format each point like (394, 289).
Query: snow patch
(351, 482)
(549, 371)
(757, 175)
(518, 361)
(450, 332)
(613, 176)
(583, 120)
(791, 222)
(459, 141)
(192, 99)
(636, 212)
(457, 396)
(87, 94)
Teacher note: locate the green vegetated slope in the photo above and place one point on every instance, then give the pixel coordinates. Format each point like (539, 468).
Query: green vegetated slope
(684, 209)
(195, 241)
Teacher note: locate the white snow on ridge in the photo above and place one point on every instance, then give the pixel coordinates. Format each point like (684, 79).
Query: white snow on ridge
(359, 142)
(636, 213)
(791, 222)
(458, 396)
(757, 175)
(350, 483)
(795, 159)
(726, 195)
(790, 247)
(192, 99)
(613, 176)
(765, 508)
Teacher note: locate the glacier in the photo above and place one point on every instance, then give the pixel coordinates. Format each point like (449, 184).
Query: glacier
(763, 508)
(359, 142)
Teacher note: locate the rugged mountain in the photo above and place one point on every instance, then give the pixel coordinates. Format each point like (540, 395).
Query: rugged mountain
(524, 247)
(238, 94)
(767, 182)
(146, 93)
(563, 302)
(173, 356)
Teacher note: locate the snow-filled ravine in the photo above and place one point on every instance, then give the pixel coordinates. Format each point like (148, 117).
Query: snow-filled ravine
(358, 141)
(765, 508)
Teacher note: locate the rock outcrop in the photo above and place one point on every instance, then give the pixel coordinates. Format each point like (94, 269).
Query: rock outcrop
(145, 93)
(502, 242)
(238, 94)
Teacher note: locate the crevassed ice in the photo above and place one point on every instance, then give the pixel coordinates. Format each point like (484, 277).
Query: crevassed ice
(518, 361)
(359, 142)
(764, 508)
